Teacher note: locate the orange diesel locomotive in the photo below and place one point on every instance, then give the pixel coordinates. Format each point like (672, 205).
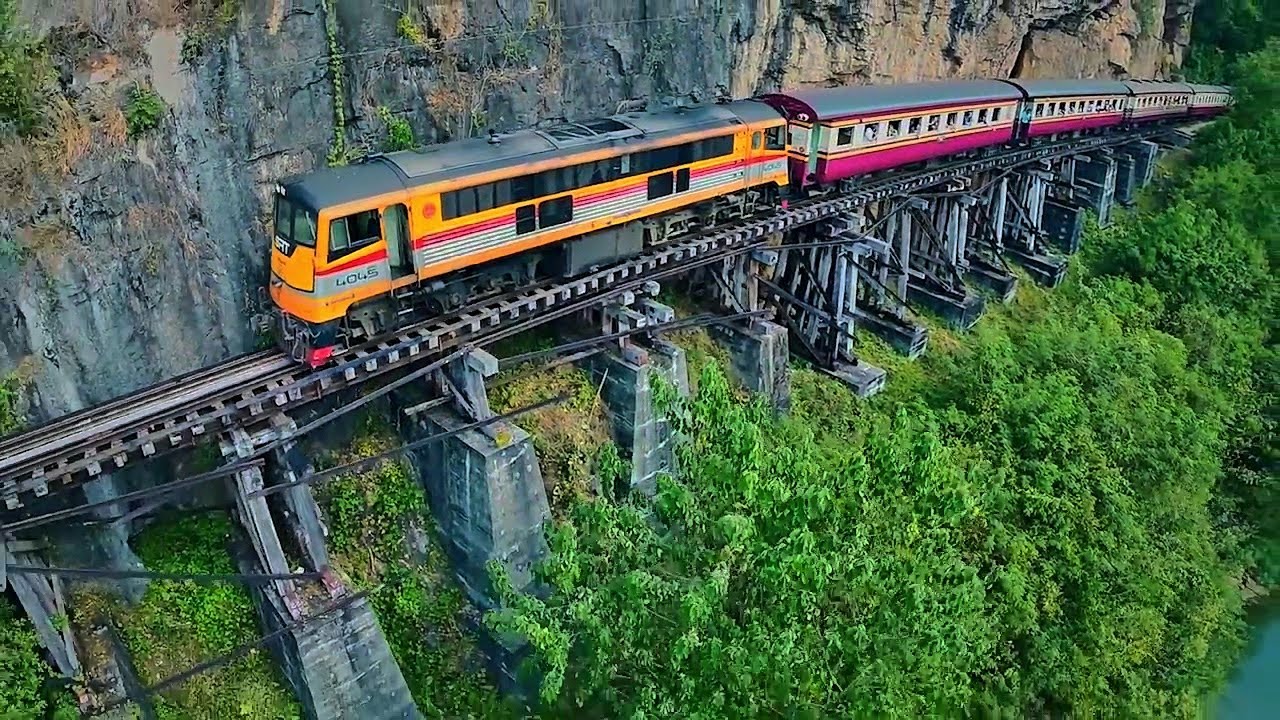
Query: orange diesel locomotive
(363, 249)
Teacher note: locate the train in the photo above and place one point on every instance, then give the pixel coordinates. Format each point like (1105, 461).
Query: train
(364, 249)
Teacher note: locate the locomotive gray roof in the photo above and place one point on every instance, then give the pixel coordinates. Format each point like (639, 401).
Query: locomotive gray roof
(1147, 87)
(835, 103)
(379, 174)
(1066, 88)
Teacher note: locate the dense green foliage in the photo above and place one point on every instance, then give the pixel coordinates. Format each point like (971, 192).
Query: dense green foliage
(382, 539)
(399, 132)
(10, 419)
(1049, 517)
(144, 110)
(180, 624)
(23, 73)
(1223, 30)
(23, 672)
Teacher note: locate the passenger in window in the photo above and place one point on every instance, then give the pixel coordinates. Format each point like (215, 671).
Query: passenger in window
(934, 122)
(870, 135)
(913, 128)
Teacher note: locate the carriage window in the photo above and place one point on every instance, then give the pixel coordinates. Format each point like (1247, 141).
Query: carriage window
(982, 116)
(968, 118)
(951, 120)
(935, 121)
(871, 133)
(348, 234)
(913, 126)
(995, 115)
(895, 129)
(844, 136)
(555, 212)
(1039, 109)
(773, 139)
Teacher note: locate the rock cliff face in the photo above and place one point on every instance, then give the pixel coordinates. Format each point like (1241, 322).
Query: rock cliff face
(129, 256)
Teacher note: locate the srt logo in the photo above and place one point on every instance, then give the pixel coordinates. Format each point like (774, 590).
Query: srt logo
(282, 245)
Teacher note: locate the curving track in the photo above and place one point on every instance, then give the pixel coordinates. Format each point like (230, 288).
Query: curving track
(249, 388)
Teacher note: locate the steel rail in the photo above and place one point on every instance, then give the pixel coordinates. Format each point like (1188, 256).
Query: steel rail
(77, 449)
(97, 413)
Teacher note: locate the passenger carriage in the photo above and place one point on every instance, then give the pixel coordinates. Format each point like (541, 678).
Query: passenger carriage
(1059, 106)
(1209, 100)
(1152, 101)
(839, 133)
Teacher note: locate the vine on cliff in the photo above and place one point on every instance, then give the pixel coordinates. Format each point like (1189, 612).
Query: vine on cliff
(338, 153)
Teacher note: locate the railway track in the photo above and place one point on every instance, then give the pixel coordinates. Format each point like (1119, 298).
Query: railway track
(248, 389)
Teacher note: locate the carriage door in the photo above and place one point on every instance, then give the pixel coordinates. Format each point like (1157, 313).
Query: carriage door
(1026, 113)
(815, 145)
(395, 228)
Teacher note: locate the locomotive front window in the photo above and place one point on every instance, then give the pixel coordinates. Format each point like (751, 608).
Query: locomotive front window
(295, 224)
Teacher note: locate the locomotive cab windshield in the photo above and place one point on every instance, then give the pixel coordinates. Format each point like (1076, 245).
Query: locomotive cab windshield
(293, 248)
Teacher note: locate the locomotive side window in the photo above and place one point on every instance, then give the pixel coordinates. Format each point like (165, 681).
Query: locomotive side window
(682, 179)
(661, 185)
(555, 212)
(350, 233)
(773, 139)
(755, 141)
(526, 221)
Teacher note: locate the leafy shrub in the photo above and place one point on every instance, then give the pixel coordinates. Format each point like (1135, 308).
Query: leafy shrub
(10, 420)
(144, 110)
(21, 670)
(399, 132)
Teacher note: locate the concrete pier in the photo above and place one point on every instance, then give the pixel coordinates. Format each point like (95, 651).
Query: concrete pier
(487, 496)
(760, 360)
(641, 432)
